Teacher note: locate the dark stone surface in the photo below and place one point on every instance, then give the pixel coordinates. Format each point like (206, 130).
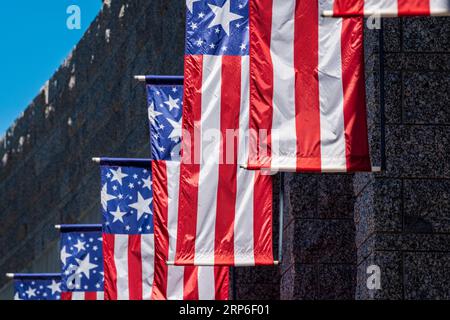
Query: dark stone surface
(319, 251)
(402, 215)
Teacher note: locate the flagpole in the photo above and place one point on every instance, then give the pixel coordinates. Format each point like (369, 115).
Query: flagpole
(161, 80)
(281, 219)
(382, 97)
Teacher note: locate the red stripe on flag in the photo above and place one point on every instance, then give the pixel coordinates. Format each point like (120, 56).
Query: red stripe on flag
(190, 291)
(261, 82)
(135, 267)
(226, 192)
(306, 61)
(262, 219)
(413, 8)
(355, 114)
(190, 170)
(221, 281)
(66, 296)
(90, 296)
(160, 211)
(110, 267)
(348, 7)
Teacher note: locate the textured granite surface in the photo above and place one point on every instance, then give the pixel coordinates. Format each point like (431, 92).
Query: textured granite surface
(402, 215)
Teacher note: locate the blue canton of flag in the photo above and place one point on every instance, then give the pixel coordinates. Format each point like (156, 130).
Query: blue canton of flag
(47, 288)
(165, 111)
(82, 261)
(127, 200)
(217, 27)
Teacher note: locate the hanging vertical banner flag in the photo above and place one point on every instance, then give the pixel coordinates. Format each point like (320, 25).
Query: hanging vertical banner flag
(307, 89)
(188, 283)
(225, 212)
(178, 283)
(164, 112)
(82, 262)
(128, 242)
(389, 8)
(46, 286)
(134, 266)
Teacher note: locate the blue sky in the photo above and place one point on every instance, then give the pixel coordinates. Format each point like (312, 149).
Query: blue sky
(35, 41)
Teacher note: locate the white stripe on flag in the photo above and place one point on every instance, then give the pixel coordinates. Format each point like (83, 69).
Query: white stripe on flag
(380, 6)
(173, 188)
(78, 296)
(243, 223)
(100, 295)
(175, 275)
(439, 6)
(206, 283)
(175, 283)
(331, 94)
(210, 159)
(284, 136)
(148, 264)
(121, 262)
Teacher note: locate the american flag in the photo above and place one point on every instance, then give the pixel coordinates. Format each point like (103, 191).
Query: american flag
(37, 287)
(202, 283)
(390, 8)
(308, 106)
(225, 212)
(82, 263)
(188, 283)
(135, 265)
(128, 242)
(165, 110)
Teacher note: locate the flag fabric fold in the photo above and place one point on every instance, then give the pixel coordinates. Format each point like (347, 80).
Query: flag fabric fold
(225, 212)
(82, 263)
(307, 89)
(37, 286)
(391, 8)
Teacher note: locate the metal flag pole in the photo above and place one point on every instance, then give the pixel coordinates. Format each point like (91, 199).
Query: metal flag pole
(281, 220)
(144, 163)
(160, 80)
(382, 97)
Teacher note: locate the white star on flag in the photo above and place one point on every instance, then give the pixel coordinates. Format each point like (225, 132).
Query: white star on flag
(64, 255)
(85, 266)
(16, 296)
(142, 206)
(31, 292)
(106, 197)
(118, 175)
(147, 183)
(172, 103)
(176, 132)
(152, 114)
(223, 16)
(80, 245)
(118, 215)
(55, 287)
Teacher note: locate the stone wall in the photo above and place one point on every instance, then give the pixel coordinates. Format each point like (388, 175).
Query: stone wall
(335, 225)
(398, 220)
(402, 216)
